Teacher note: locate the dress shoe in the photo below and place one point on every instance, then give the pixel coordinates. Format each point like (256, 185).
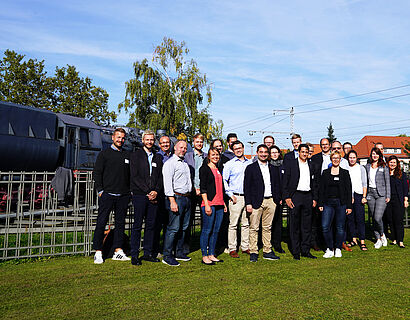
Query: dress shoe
(234, 254)
(345, 247)
(308, 255)
(150, 258)
(280, 250)
(296, 256)
(135, 261)
(246, 251)
(208, 263)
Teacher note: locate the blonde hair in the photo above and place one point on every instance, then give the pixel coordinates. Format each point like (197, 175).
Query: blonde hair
(335, 153)
(148, 133)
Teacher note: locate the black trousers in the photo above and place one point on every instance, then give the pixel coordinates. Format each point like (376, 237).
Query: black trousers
(395, 213)
(106, 203)
(143, 208)
(161, 225)
(276, 231)
(300, 219)
(317, 235)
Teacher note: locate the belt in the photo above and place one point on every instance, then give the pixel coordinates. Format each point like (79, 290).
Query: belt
(304, 192)
(267, 197)
(238, 194)
(183, 194)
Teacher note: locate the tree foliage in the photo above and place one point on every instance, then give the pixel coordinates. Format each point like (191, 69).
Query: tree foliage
(331, 133)
(25, 82)
(171, 94)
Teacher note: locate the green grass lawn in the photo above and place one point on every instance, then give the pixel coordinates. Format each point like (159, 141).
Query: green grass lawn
(360, 285)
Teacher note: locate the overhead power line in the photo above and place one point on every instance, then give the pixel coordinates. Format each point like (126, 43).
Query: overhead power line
(353, 96)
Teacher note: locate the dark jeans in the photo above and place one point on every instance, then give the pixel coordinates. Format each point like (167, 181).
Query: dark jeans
(395, 209)
(300, 222)
(210, 229)
(277, 223)
(317, 239)
(143, 208)
(333, 209)
(105, 204)
(178, 223)
(355, 220)
(160, 225)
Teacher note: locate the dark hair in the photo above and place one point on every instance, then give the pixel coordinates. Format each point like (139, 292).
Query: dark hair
(209, 151)
(303, 145)
(235, 143)
(119, 130)
(346, 144)
(380, 162)
(397, 172)
(262, 146)
(348, 154)
(268, 137)
(295, 136)
(231, 135)
(277, 148)
(213, 141)
(378, 143)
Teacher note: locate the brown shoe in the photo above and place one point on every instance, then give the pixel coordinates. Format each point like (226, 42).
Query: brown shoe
(234, 254)
(246, 251)
(345, 247)
(316, 248)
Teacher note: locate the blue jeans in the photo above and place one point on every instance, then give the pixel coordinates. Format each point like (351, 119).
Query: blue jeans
(333, 209)
(178, 223)
(210, 229)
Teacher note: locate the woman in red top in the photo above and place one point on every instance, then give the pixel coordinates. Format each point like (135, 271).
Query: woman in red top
(212, 207)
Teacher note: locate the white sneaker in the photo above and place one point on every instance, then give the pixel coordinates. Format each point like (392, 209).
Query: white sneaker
(328, 254)
(384, 240)
(120, 256)
(98, 259)
(338, 253)
(378, 244)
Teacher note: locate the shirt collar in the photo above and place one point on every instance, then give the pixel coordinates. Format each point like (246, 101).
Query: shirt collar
(115, 148)
(262, 164)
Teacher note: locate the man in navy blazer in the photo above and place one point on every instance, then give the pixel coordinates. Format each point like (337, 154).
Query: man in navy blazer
(291, 155)
(261, 193)
(300, 191)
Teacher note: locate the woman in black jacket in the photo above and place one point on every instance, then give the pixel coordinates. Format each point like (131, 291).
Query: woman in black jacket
(399, 200)
(212, 207)
(335, 202)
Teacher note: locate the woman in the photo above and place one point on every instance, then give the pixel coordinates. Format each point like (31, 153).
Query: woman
(399, 200)
(378, 193)
(355, 221)
(212, 207)
(335, 202)
(277, 222)
(218, 145)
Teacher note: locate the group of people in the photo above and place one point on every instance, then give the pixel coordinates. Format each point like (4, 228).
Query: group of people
(323, 192)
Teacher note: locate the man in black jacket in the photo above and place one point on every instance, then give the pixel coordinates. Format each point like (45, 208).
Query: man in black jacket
(261, 193)
(300, 193)
(291, 155)
(146, 184)
(111, 176)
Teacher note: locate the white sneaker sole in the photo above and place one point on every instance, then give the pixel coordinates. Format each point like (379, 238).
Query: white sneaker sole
(183, 259)
(98, 262)
(121, 259)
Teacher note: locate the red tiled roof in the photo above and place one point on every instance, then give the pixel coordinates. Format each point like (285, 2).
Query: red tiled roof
(364, 146)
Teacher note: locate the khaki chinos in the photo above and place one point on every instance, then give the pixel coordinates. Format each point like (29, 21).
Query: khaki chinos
(267, 212)
(236, 211)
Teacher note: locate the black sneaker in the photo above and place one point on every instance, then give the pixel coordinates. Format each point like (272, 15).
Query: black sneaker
(270, 256)
(308, 255)
(150, 258)
(254, 257)
(182, 257)
(170, 261)
(135, 261)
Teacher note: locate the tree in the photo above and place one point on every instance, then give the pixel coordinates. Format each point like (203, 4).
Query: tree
(330, 133)
(26, 83)
(171, 94)
(406, 148)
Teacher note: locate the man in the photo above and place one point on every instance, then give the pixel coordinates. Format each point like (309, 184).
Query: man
(217, 143)
(146, 184)
(323, 159)
(268, 141)
(233, 175)
(380, 146)
(316, 214)
(165, 146)
(195, 159)
(300, 193)
(229, 139)
(291, 155)
(261, 193)
(347, 146)
(177, 189)
(311, 150)
(336, 145)
(112, 182)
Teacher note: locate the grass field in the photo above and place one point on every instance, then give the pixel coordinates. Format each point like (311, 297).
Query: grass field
(360, 285)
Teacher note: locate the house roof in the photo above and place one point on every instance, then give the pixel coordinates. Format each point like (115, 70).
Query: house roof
(391, 145)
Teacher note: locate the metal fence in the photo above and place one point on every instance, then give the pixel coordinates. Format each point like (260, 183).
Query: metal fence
(33, 223)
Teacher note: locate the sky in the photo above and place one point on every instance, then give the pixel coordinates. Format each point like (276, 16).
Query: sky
(261, 57)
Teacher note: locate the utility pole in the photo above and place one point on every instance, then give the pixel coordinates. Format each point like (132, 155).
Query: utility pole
(292, 118)
(251, 143)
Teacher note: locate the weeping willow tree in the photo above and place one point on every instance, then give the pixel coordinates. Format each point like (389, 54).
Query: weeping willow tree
(170, 94)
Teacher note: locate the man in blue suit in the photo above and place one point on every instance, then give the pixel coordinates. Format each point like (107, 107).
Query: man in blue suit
(300, 191)
(261, 193)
